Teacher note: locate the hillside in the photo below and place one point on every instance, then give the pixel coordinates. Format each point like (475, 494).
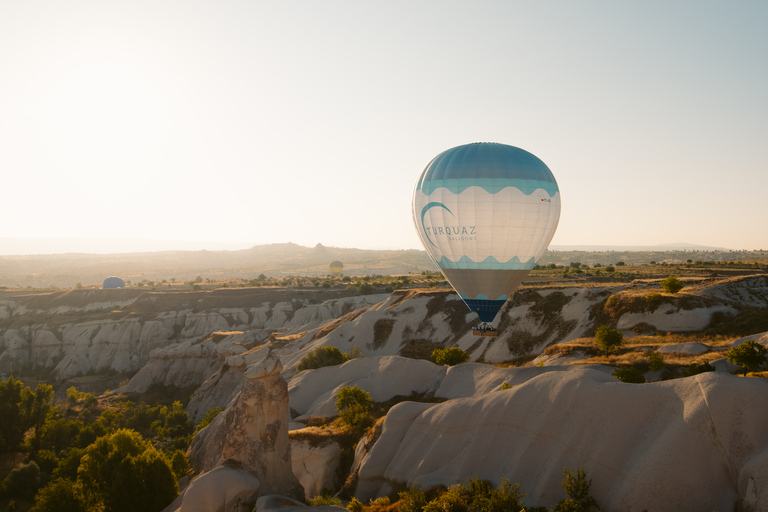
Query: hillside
(280, 260)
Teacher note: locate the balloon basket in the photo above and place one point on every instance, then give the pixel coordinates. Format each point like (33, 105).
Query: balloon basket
(483, 331)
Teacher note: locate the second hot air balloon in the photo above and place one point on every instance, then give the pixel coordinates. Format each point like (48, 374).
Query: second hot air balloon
(485, 213)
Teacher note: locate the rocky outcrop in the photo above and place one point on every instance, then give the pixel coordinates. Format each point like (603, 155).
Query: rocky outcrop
(224, 489)
(689, 444)
(253, 431)
(315, 464)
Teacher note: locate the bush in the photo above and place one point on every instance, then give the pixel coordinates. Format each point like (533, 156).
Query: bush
(608, 339)
(207, 419)
(655, 361)
(654, 300)
(22, 482)
(58, 496)
(696, 369)
(320, 357)
(577, 488)
(355, 505)
(353, 404)
(671, 284)
(121, 472)
(449, 356)
(412, 500)
(483, 497)
(629, 374)
(324, 500)
(450, 501)
(750, 355)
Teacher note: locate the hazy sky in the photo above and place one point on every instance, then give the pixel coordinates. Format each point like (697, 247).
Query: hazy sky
(256, 122)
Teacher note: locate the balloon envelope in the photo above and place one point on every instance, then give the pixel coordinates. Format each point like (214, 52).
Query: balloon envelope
(485, 213)
(113, 282)
(336, 267)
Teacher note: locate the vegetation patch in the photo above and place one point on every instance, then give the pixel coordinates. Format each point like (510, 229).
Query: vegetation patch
(381, 332)
(418, 349)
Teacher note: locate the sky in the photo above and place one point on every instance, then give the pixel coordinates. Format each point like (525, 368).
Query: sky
(241, 123)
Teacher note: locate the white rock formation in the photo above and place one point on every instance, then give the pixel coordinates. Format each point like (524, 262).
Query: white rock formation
(223, 489)
(277, 503)
(690, 348)
(253, 431)
(315, 465)
(687, 444)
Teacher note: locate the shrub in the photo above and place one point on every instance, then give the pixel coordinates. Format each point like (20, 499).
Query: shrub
(22, 482)
(207, 419)
(608, 339)
(121, 472)
(577, 488)
(58, 496)
(179, 464)
(750, 355)
(378, 504)
(449, 356)
(450, 501)
(354, 505)
(655, 361)
(671, 284)
(324, 500)
(320, 357)
(629, 374)
(412, 500)
(654, 300)
(353, 404)
(695, 369)
(483, 497)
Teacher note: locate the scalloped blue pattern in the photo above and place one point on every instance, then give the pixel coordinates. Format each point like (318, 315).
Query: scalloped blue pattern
(489, 263)
(490, 185)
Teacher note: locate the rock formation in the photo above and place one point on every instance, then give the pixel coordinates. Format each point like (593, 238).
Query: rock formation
(253, 431)
(688, 444)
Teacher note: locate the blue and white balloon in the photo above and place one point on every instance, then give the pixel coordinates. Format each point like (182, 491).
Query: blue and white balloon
(485, 213)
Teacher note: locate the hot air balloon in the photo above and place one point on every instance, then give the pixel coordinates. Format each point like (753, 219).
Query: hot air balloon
(113, 282)
(336, 267)
(485, 213)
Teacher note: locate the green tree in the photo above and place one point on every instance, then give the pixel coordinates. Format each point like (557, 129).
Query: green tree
(483, 497)
(655, 361)
(320, 357)
(577, 488)
(179, 464)
(629, 374)
(750, 355)
(122, 472)
(451, 500)
(22, 482)
(12, 426)
(412, 500)
(671, 284)
(353, 404)
(608, 339)
(22, 409)
(58, 496)
(207, 418)
(695, 369)
(450, 356)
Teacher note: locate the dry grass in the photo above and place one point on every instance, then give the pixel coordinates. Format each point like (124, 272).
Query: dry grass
(634, 350)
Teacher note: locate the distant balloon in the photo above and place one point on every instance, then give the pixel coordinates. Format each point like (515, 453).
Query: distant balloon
(113, 282)
(337, 267)
(485, 213)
